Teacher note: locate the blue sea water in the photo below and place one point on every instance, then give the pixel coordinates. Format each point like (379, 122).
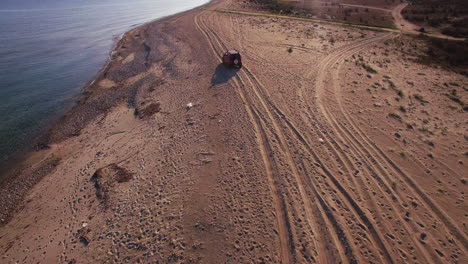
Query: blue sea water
(49, 49)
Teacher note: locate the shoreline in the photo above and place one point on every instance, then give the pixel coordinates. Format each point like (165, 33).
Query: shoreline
(17, 158)
(40, 147)
(86, 92)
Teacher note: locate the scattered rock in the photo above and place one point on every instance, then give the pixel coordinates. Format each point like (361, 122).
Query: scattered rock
(107, 83)
(41, 146)
(149, 110)
(207, 153)
(84, 240)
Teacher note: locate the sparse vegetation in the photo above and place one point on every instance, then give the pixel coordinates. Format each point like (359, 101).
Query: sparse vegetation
(395, 116)
(399, 92)
(448, 53)
(369, 68)
(453, 95)
(425, 130)
(430, 143)
(420, 98)
(450, 17)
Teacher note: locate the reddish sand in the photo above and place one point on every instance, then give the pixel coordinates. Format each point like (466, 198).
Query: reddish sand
(332, 144)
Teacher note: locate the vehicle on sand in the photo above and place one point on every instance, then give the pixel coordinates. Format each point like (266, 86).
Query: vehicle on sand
(232, 58)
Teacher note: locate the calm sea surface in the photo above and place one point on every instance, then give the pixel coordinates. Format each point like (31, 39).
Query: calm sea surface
(49, 49)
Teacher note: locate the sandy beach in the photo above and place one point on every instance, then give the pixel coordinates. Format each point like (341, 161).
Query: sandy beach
(333, 144)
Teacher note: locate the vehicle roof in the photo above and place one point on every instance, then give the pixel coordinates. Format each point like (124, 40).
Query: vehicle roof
(233, 52)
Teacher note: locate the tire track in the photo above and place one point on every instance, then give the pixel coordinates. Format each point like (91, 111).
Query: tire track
(350, 200)
(370, 151)
(324, 208)
(374, 231)
(339, 237)
(284, 226)
(378, 157)
(449, 223)
(336, 183)
(263, 96)
(329, 174)
(367, 163)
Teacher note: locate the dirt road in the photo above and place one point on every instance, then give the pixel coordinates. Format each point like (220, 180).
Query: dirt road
(407, 27)
(286, 146)
(292, 159)
(403, 24)
(367, 7)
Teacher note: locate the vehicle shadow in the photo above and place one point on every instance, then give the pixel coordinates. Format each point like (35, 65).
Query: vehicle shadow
(223, 74)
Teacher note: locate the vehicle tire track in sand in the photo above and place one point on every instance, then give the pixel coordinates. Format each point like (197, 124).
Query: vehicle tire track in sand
(376, 169)
(282, 115)
(375, 152)
(262, 95)
(339, 237)
(309, 211)
(251, 104)
(382, 184)
(284, 226)
(371, 151)
(324, 208)
(378, 157)
(347, 162)
(347, 197)
(336, 183)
